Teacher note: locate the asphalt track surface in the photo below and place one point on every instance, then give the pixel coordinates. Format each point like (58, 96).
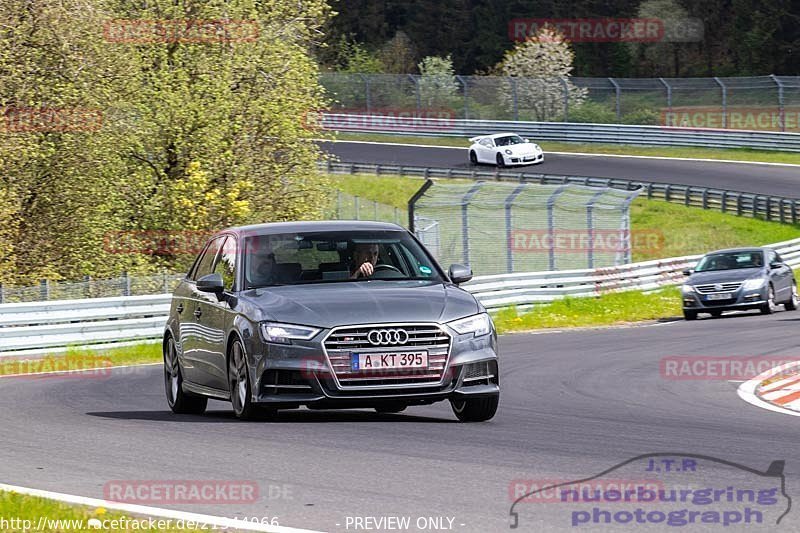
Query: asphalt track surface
(573, 404)
(777, 180)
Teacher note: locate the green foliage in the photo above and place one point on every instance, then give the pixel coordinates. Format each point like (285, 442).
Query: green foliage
(399, 55)
(593, 113)
(195, 134)
(437, 82)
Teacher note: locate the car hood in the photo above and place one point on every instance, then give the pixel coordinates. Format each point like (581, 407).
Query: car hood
(519, 149)
(720, 276)
(364, 302)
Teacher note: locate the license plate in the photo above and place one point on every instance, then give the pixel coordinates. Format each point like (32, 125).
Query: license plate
(379, 361)
(720, 296)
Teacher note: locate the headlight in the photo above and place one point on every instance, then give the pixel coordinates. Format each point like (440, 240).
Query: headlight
(478, 324)
(752, 284)
(537, 147)
(285, 333)
(509, 152)
(687, 289)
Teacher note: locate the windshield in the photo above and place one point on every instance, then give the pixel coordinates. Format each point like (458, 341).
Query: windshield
(730, 261)
(509, 140)
(335, 256)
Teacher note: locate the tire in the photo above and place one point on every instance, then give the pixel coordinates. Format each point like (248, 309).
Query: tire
(239, 383)
(500, 161)
(769, 307)
(180, 402)
(391, 408)
(791, 305)
(475, 409)
(473, 158)
(690, 315)
(716, 314)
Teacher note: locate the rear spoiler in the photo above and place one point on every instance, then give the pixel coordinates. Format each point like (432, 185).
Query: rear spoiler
(477, 139)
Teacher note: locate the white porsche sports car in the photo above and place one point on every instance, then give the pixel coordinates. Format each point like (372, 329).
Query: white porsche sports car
(504, 149)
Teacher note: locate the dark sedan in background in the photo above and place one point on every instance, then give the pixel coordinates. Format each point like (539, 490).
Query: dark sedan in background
(737, 279)
(276, 316)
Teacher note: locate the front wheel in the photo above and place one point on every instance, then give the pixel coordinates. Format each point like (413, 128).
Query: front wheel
(179, 401)
(475, 409)
(791, 305)
(690, 315)
(769, 307)
(500, 161)
(239, 380)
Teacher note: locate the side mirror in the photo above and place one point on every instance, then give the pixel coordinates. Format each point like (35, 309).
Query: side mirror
(687, 272)
(211, 283)
(775, 265)
(459, 274)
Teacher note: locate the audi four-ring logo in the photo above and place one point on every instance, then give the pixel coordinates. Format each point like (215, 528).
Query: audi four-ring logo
(383, 337)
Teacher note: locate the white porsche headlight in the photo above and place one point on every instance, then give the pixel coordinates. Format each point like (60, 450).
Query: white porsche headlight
(478, 324)
(285, 333)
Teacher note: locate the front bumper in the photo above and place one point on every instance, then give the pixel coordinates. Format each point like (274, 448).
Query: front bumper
(289, 376)
(741, 300)
(528, 159)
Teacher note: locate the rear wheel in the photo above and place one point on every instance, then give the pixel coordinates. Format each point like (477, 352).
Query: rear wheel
(475, 409)
(769, 307)
(690, 315)
(179, 401)
(473, 158)
(791, 305)
(500, 161)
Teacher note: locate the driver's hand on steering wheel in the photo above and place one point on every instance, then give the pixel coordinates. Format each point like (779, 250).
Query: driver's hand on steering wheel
(365, 270)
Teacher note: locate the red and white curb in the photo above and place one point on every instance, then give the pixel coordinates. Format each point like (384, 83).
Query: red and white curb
(781, 396)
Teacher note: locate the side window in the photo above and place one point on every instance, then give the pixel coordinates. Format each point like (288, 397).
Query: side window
(226, 266)
(772, 256)
(206, 264)
(487, 143)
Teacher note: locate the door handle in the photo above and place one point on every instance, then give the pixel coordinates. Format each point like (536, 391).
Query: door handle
(198, 313)
(179, 309)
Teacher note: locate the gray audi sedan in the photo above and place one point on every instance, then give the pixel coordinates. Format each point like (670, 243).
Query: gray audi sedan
(327, 315)
(736, 279)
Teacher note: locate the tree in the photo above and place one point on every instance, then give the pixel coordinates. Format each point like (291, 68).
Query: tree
(540, 68)
(437, 81)
(399, 55)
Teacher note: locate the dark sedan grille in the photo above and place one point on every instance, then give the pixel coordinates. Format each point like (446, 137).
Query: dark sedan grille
(718, 287)
(342, 342)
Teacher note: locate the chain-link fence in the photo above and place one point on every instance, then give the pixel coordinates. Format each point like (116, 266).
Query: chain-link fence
(769, 103)
(497, 228)
(350, 207)
(124, 285)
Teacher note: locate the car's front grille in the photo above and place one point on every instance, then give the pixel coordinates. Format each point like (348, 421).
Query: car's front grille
(342, 343)
(718, 287)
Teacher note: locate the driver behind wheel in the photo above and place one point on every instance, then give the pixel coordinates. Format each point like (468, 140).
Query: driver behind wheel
(365, 257)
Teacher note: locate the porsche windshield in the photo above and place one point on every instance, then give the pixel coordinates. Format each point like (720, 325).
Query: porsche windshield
(320, 257)
(509, 140)
(731, 261)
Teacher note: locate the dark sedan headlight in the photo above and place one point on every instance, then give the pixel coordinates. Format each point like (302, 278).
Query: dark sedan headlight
(479, 325)
(687, 289)
(753, 284)
(286, 333)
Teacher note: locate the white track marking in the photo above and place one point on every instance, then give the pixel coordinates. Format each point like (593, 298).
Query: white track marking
(142, 510)
(747, 390)
(582, 154)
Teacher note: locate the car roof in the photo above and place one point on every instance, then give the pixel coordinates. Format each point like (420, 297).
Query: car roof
(497, 135)
(311, 226)
(737, 250)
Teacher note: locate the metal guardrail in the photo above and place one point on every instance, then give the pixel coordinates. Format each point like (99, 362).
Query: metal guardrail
(33, 328)
(564, 131)
(775, 208)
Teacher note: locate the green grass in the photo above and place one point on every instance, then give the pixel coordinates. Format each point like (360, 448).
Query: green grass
(78, 359)
(21, 507)
(607, 309)
(667, 229)
(733, 154)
